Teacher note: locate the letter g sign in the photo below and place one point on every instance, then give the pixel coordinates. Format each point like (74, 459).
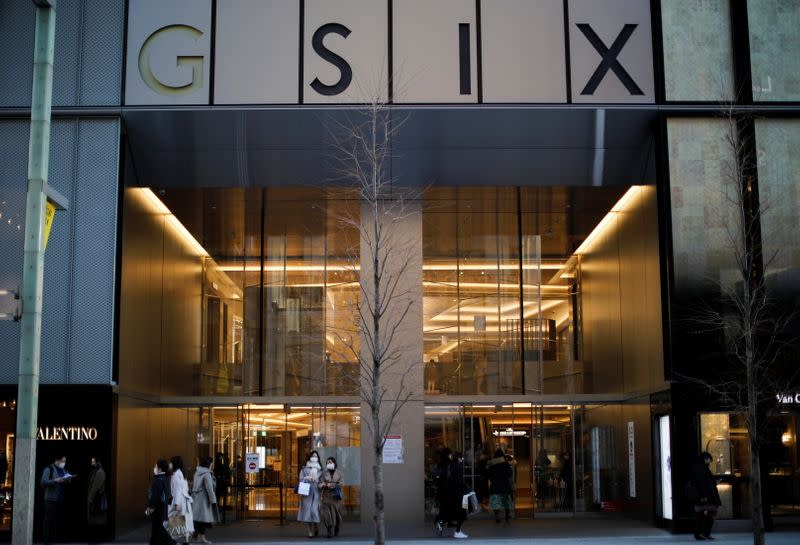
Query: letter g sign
(162, 36)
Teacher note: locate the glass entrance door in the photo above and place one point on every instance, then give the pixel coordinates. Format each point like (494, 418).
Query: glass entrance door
(537, 440)
(277, 439)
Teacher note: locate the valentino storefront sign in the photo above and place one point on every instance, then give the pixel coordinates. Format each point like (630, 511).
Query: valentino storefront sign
(67, 433)
(406, 51)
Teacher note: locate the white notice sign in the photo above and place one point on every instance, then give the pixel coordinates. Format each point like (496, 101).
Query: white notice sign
(393, 449)
(631, 461)
(251, 462)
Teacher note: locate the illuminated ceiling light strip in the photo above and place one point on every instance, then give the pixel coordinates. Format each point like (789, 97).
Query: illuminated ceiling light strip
(608, 220)
(160, 208)
(355, 268)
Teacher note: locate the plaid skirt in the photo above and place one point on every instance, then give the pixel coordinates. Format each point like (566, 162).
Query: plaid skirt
(501, 501)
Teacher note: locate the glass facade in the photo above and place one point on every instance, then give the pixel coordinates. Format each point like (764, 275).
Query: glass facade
(254, 292)
(774, 49)
(698, 51)
(251, 292)
(565, 458)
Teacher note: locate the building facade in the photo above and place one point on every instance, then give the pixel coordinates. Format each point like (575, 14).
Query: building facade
(570, 174)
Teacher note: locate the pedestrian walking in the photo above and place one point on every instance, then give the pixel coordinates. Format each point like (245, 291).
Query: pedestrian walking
(96, 500)
(158, 500)
(181, 499)
(450, 490)
(565, 475)
(222, 475)
(54, 479)
(331, 484)
(704, 496)
(501, 487)
(308, 511)
(204, 497)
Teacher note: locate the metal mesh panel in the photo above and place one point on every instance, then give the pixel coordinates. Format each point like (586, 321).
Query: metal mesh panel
(94, 253)
(13, 175)
(78, 308)
(89, 36)
(16, 52)
(101, 69)
(57, 262)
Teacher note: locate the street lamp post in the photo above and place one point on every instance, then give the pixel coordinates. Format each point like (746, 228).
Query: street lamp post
(33, 274)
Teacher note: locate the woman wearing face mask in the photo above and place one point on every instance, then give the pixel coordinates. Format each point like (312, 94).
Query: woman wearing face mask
(181, 499)
(158, 501)
(309, 505)
(331, 484)
(205, 499)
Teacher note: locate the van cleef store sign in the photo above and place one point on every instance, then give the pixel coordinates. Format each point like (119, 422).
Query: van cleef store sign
(251, 52)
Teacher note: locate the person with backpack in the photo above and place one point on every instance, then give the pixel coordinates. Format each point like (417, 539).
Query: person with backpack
(158, 501)
(54, 479)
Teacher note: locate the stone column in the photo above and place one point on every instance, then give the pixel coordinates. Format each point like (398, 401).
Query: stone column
(403, 483)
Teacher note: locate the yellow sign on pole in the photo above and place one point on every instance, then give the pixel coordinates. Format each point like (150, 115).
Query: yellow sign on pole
(49, 214)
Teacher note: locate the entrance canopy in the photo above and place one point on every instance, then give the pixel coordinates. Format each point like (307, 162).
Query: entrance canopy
(447, 146)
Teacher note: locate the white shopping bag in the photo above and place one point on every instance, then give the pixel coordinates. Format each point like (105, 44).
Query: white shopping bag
(304, 488)
(465, 501)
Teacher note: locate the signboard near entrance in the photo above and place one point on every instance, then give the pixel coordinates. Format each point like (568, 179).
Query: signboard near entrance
(393, 449)
(251, 462)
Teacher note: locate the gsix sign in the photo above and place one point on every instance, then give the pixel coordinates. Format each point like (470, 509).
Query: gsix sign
(423, 51)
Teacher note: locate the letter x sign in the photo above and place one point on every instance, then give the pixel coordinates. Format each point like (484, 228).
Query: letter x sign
(611, 51)
(610, 59)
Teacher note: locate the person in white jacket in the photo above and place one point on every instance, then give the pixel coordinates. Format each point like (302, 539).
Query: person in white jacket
(181, 499)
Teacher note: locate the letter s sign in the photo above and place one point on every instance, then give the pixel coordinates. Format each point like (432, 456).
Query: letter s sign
(195, 62)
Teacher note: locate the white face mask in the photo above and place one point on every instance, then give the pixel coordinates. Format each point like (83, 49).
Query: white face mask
(60, 465)
(331, 466)
(314, 459)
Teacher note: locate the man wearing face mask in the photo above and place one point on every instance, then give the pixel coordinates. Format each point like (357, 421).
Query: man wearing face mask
(54, 477)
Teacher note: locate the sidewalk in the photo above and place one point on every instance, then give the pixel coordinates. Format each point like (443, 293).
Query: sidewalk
(542, 531)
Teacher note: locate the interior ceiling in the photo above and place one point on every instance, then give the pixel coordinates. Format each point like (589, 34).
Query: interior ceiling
(456, 220)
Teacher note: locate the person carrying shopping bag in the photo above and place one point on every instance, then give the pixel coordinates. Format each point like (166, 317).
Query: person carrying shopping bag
(308, 489)
(181, 506)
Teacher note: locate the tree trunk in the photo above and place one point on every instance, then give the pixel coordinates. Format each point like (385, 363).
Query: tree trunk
(380, 520)
(755, 493)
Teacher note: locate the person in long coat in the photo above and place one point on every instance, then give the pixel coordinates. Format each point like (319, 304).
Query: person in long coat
(308, 511)
(501, 487)
(181, 499)
(450, 489)
(158, 500)
(331, 485)
(708, 501)
(96, 501)
(205, 499)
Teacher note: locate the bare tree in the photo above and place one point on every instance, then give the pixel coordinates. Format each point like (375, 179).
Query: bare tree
(753, 329)
(386, 261)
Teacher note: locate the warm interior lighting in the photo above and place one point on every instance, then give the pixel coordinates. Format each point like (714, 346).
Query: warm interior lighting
(156, 206)
(608, 220)
(787, 438)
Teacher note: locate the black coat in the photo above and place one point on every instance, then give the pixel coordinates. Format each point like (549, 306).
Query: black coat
(705, 484)
(159, 497)
(450, 489)
(500, 476)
